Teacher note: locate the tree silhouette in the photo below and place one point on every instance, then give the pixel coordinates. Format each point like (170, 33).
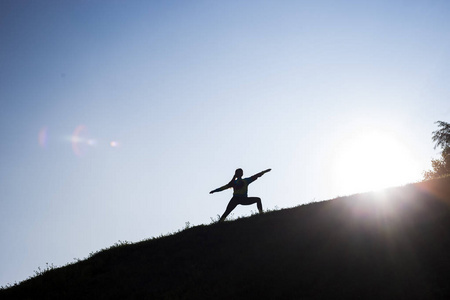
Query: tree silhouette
(441, 166)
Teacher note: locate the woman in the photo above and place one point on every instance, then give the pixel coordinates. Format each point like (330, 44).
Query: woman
(240, 187)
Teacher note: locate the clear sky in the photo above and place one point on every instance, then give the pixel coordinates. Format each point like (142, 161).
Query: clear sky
(118, 117)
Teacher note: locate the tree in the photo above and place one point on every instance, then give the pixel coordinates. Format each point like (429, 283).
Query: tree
(441, 166)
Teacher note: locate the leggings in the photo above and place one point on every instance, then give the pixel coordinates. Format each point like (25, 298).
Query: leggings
(243, 200)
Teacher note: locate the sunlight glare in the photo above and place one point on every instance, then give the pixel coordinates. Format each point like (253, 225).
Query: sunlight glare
(371, 161)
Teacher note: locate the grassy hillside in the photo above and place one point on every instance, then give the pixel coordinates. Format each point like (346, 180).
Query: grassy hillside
(391, 245)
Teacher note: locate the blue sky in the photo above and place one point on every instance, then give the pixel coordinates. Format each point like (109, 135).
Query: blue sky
(118, 117)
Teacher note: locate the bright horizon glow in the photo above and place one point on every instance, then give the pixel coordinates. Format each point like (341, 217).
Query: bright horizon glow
(369, 161)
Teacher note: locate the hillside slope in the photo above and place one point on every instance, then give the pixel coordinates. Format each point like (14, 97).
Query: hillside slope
(390, 245)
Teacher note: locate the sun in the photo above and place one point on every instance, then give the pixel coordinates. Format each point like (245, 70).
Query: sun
(368, 161)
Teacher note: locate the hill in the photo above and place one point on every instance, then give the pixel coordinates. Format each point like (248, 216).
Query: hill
(388, 245)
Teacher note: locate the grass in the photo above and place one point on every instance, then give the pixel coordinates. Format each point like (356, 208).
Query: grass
(386, 245)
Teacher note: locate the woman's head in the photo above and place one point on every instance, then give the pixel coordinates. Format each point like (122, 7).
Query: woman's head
(239, 173)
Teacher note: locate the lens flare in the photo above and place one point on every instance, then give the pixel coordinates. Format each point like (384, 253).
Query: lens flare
(82, 141)
(43, 137)
(114, 144)
(79, 141)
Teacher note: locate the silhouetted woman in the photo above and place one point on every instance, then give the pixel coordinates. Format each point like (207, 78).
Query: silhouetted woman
(240, 187)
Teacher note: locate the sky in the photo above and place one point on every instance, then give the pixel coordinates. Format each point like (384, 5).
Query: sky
(118, 117)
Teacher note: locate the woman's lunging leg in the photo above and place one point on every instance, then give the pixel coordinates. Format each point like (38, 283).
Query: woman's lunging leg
(231, 205)
(252, 200)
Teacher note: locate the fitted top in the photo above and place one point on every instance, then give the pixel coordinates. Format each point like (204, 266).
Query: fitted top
(240, 186)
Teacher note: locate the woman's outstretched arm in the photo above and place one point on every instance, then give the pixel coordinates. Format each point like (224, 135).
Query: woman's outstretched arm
(256, 176)
(227, 186)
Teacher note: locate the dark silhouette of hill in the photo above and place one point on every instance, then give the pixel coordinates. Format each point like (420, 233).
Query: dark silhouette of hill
(389, 245)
